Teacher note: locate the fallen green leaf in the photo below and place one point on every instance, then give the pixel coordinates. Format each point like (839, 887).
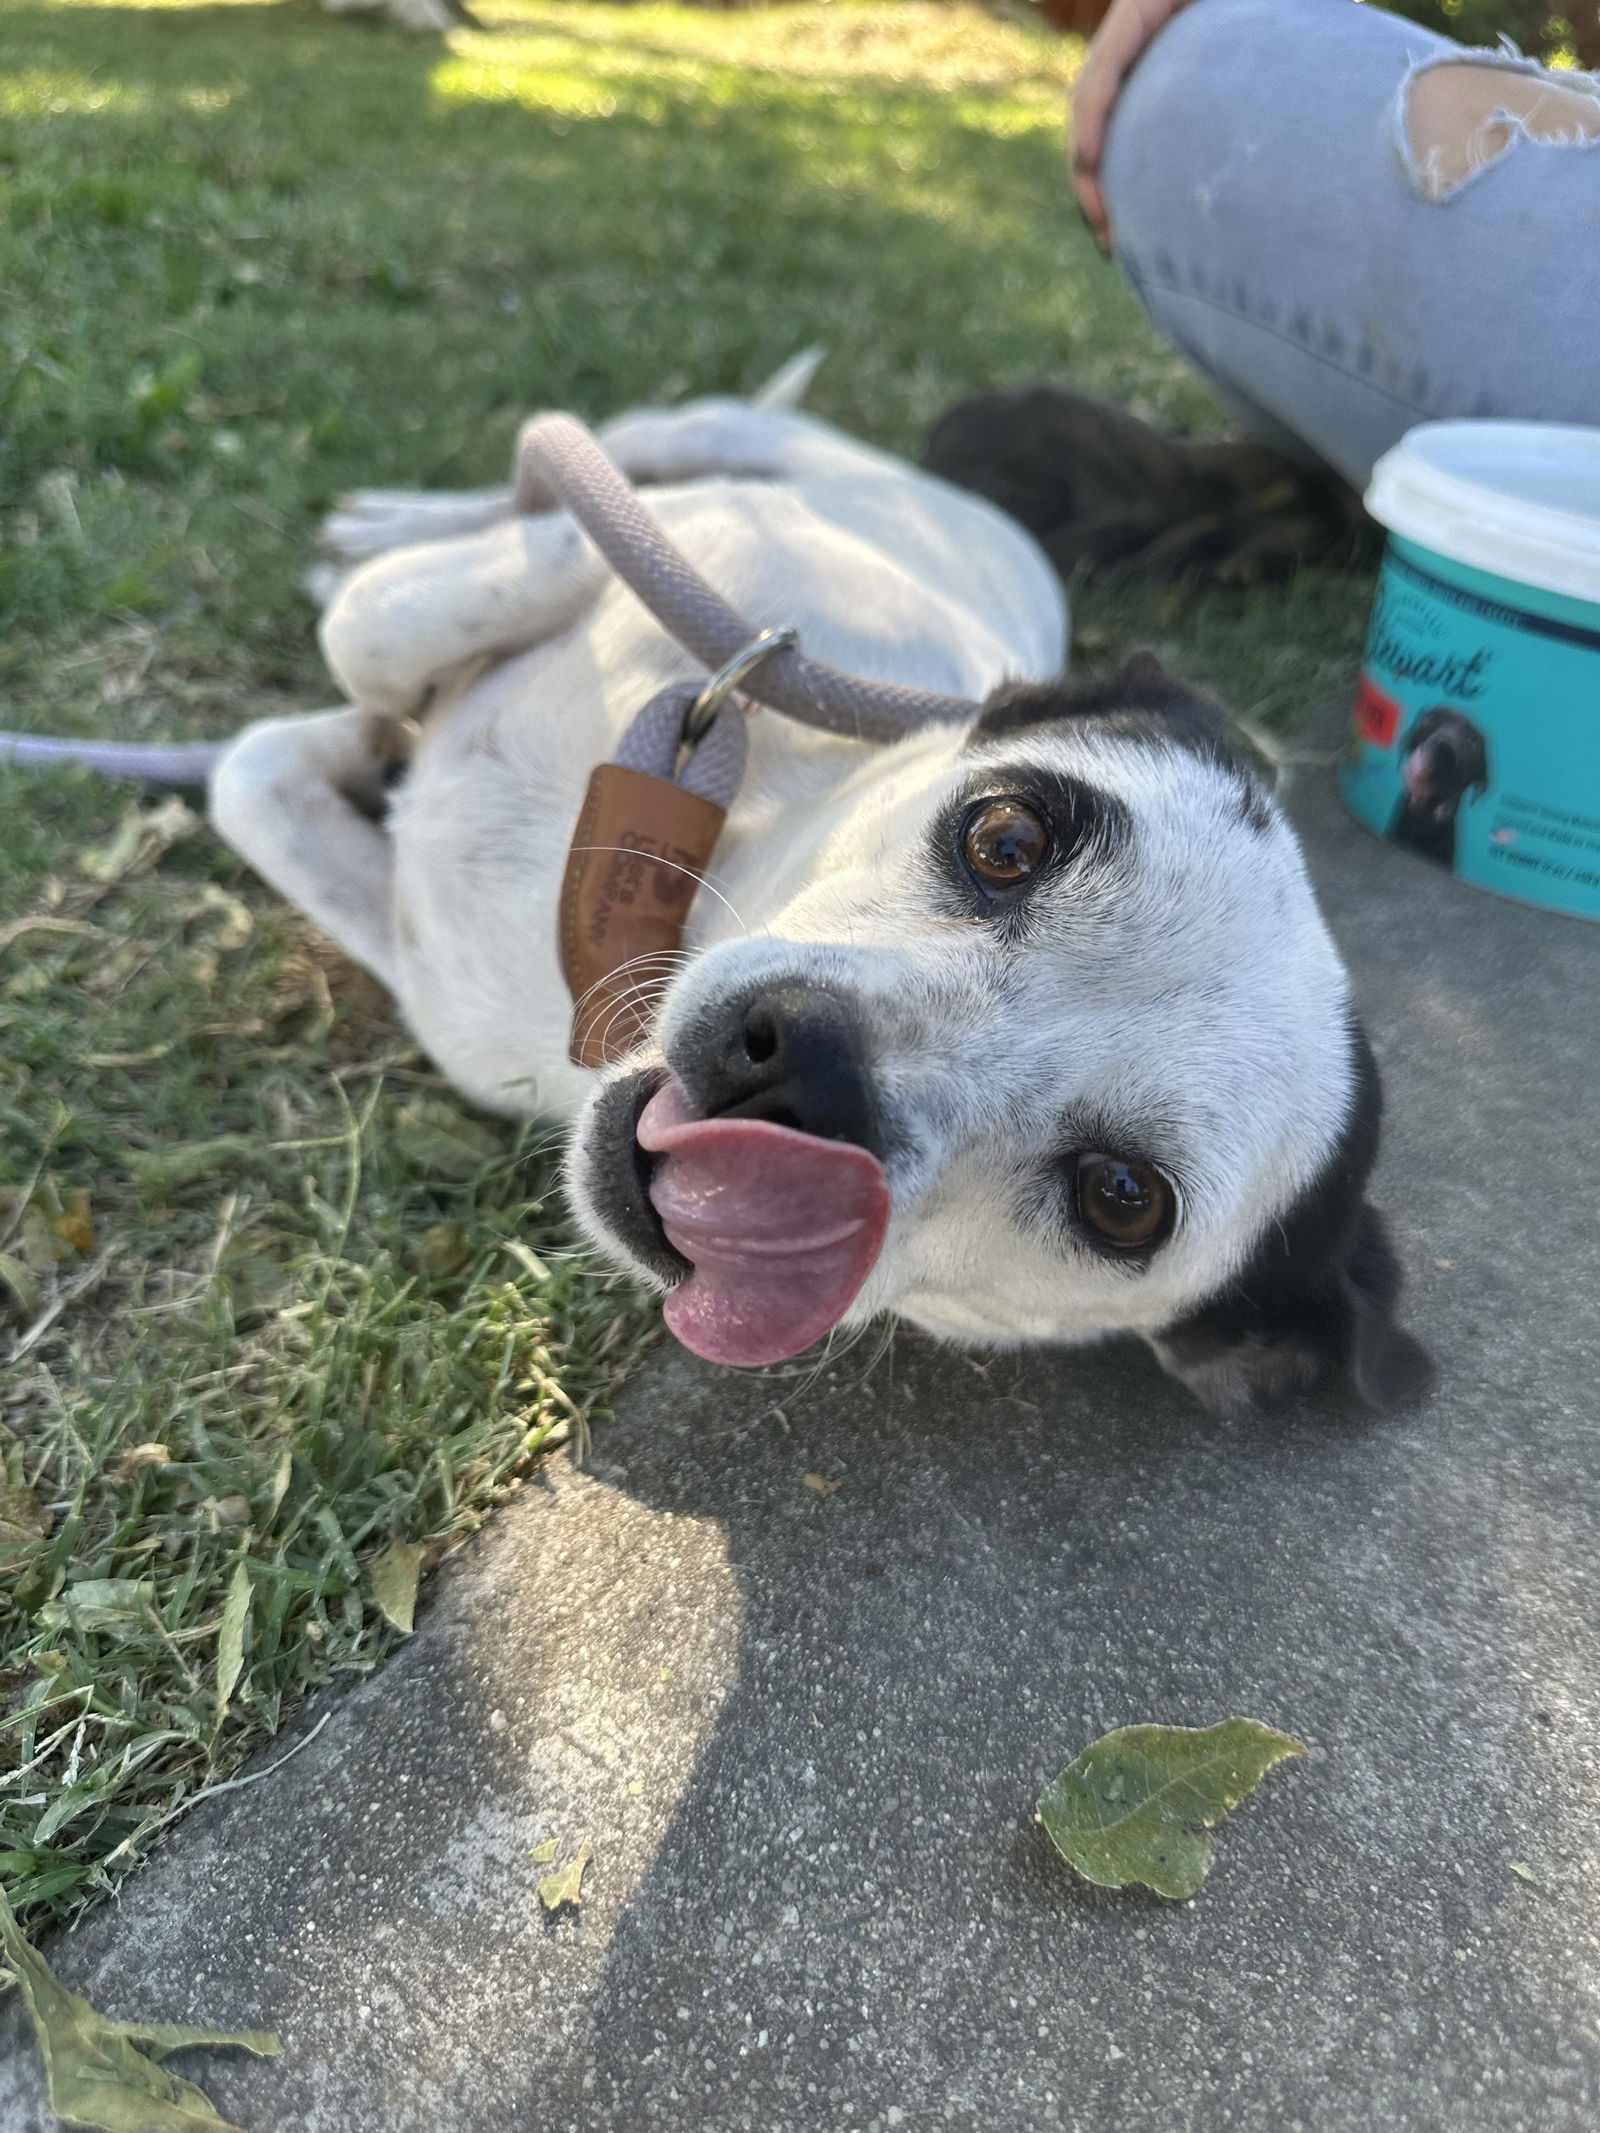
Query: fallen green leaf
(108, 2075)
(394, 1584)
(442, 1142)
(1137, 1803)
(101, 1604)
(38, 1229)
(230, 1637)
(165, 1169)
(542, 1854)
(38, 1242)
(566, 1884)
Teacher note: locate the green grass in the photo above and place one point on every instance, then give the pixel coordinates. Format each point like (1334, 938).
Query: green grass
(253, 255)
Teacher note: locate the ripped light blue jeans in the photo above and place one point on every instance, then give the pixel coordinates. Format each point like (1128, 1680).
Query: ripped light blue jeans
(1268, 211)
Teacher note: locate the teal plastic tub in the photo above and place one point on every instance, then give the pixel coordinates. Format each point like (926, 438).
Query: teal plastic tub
(1476, 739)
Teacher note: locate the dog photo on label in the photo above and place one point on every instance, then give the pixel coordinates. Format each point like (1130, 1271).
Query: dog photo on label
(1024, 1027)
(1444, 762)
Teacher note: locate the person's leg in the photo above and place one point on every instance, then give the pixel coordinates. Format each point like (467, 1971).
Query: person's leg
(1350, 226)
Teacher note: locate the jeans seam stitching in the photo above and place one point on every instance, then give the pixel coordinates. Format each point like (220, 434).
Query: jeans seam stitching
(1290, 340)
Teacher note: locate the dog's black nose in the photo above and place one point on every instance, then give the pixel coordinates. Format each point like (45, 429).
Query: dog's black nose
(792, 1055)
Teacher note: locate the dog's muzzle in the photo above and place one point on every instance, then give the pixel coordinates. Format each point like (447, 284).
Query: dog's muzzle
(749, 1177)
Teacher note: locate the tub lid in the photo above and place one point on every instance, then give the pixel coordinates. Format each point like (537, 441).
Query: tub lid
(1518, 499)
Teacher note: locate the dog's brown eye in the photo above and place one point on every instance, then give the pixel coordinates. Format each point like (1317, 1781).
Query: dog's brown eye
(1004, 842)
(1128, 1205)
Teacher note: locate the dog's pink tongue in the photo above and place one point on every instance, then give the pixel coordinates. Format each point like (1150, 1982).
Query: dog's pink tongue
(779, 1228)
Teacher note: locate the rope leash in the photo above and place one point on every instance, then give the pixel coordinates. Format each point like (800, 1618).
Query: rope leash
(558, 461)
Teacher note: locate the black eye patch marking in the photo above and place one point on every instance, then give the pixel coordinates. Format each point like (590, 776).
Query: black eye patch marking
(1082, 825)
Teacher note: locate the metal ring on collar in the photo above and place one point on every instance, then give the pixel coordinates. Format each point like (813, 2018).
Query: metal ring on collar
(727, 678)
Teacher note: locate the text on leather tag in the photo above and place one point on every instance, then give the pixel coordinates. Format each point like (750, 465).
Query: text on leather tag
(637, 856)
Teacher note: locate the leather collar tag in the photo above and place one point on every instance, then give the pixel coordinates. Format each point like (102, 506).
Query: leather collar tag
(636, 859)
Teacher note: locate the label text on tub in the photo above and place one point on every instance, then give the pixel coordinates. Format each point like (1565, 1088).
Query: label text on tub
(1449, 672)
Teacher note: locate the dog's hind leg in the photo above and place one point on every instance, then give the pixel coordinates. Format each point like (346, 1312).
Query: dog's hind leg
(302, 799)
(738, 440)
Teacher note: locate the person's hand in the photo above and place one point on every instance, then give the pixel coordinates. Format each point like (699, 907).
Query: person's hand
(1126, 30)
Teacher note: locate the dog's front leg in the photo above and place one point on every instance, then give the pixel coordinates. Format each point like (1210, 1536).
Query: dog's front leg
(399, 628)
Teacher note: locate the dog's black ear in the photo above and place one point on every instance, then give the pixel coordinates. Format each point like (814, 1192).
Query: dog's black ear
(1384, 1364)
(1315, 1303)
(1280, 1329)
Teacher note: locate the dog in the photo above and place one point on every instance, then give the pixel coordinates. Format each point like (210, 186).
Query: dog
(418, 15)
(1027, 1030)
(1110, 498)
(1443, 761)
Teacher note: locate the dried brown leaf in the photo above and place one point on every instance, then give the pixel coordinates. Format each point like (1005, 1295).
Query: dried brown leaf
(24, 1527)
(138, 1459)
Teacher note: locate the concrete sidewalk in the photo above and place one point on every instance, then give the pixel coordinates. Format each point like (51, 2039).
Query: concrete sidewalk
(806, 1730)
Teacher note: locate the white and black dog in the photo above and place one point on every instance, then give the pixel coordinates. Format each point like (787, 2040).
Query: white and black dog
(1028, 1031)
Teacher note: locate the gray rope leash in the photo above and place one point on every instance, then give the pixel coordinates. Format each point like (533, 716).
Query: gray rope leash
(558, 461)
(656, 741)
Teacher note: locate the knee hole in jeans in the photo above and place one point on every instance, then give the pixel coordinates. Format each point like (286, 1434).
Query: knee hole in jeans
(1459, 116)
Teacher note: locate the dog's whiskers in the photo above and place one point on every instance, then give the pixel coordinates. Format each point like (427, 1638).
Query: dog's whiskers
(653, 967)
(635, 1001)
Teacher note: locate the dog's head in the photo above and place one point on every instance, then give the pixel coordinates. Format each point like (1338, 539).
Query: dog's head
(1051, 1043)
(1443, 760)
